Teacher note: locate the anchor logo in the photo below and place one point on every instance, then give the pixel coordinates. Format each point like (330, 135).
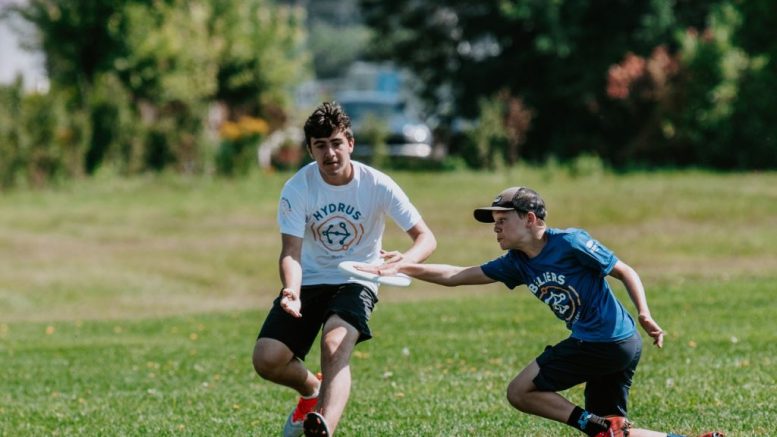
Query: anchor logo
(342, 232)
(338, 234)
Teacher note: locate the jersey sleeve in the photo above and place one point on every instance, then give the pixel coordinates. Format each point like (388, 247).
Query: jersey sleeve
(291, 211)
(591, 253)
(503, 269)
(399, 207)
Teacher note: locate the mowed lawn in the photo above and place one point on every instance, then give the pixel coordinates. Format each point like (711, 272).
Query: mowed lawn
(131, 307)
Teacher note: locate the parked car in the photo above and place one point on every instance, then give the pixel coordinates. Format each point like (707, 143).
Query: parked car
(406, 135)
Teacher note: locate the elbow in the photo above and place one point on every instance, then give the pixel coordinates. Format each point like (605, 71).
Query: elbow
(429, 246)
(432, 244)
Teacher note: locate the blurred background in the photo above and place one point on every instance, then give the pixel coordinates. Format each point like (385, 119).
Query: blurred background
(222, 87)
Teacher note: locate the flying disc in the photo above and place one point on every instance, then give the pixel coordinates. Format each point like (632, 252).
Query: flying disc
(398, 280)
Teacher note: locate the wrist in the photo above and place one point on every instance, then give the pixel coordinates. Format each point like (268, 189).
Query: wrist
(289, 290)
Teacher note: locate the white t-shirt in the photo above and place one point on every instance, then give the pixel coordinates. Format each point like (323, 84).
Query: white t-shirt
(341, 223)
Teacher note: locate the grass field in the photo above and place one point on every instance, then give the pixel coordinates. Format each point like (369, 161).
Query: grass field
(130, 307)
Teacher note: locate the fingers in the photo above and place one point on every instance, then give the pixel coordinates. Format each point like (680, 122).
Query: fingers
(291, 305)
(651, 327)
(367, 268)
(658, 338)
(391, 256)
(390, 269)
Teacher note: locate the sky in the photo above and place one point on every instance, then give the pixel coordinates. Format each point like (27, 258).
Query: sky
(14, 60)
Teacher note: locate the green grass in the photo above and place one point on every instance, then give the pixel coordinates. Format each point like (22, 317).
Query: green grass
(131, 307)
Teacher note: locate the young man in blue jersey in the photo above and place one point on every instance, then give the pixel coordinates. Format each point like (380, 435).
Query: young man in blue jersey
(565, 269)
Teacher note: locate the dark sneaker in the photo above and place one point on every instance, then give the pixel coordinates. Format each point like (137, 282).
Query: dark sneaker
(315, 426)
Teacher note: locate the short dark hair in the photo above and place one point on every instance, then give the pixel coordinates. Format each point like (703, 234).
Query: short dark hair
(327, 119)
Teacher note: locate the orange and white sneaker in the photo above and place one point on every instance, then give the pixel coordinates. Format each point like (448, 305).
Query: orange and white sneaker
(619, 427)
(713, 434)
(294, 423)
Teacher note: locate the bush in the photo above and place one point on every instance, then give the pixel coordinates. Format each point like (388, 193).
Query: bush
(240, 140)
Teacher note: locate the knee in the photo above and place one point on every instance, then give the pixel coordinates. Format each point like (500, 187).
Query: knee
(518, 397)
(264, 364)
(339, 342)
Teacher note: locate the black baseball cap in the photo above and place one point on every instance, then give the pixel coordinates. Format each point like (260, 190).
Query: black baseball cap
(520, 199)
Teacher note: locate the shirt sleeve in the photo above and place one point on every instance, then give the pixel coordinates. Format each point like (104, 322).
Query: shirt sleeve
(291, 211)
(504, 269)
(591, 253)
(400, 209)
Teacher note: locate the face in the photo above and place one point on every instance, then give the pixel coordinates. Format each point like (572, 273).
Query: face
(333, 156)
(511, 230)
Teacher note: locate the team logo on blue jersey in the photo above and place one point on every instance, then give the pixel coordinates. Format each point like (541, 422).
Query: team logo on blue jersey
(564, 302)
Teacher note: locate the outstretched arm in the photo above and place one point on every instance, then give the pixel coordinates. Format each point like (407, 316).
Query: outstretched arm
(442, 274)
(633, 284)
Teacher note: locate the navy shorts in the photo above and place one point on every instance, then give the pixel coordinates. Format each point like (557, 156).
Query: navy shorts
(351, 301)
(607, 370)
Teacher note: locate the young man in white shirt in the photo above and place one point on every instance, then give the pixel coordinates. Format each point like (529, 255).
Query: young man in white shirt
(331, 210)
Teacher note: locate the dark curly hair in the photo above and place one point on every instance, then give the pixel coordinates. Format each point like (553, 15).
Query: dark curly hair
(327, 119)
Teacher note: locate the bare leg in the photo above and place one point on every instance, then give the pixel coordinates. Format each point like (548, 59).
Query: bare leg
(524, 395)
(337, 343)
(275, 362)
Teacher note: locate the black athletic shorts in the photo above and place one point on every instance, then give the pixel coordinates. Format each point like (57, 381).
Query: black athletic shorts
(606, 369)
(351, 301)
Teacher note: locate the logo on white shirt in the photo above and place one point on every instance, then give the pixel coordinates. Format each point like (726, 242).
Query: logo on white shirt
(338, 234)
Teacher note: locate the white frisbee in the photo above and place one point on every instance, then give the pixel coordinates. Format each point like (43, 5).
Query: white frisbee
(398, 280)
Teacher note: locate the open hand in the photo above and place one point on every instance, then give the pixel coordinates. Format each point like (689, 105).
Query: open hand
(651, 327)
(390, 269)
(291, 303)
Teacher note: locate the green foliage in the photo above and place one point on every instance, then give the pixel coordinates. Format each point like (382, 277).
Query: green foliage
(717, 112)
(81, 40)
(41, 141)
(11, 162)
(335, 49)
(261, 55)
(692, 97)
(552, 55)
(237, 152)
(140, 79)
(374, 135)
(118, 135)
(487, 138)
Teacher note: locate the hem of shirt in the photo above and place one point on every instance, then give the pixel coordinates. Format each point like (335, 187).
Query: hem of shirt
(608, 340)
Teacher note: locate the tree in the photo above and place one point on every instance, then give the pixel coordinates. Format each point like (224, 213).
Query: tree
(144, 74)
(553, 56)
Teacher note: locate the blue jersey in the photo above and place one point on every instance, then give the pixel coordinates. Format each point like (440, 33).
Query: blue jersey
(569, 276)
